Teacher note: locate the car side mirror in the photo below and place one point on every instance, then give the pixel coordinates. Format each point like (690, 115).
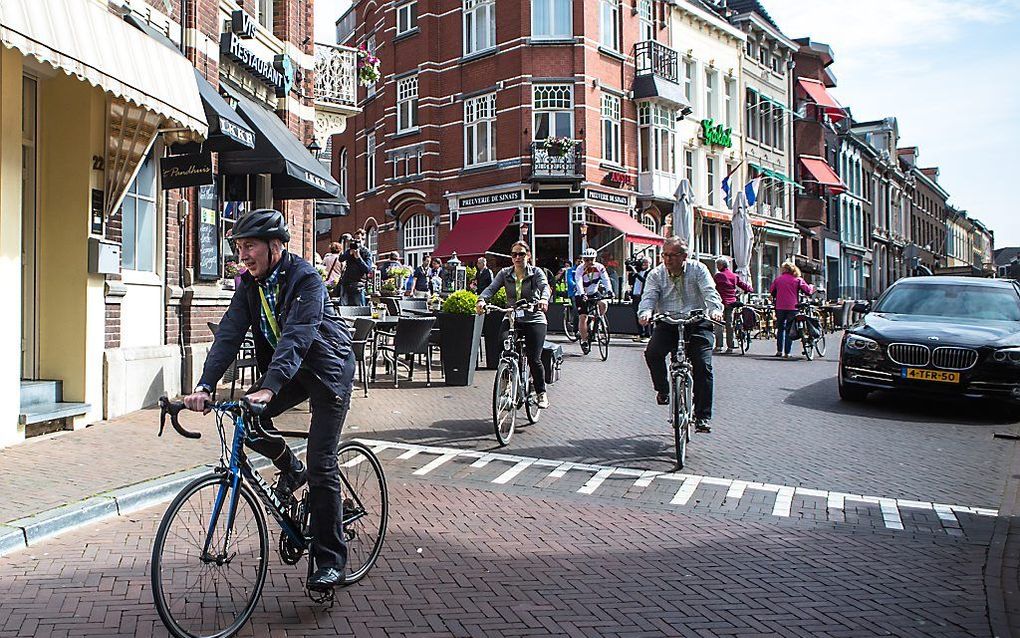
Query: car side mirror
(862, 307)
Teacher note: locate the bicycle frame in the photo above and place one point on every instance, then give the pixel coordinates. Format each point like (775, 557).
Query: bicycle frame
(516, 353)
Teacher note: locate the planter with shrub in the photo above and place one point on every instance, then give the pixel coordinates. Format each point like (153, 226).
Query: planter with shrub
(460, 329)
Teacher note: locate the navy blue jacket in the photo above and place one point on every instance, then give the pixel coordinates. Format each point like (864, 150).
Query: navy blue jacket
(312, 335)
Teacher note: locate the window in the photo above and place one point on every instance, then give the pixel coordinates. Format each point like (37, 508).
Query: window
(751, 126)
(372, 240)
(689, 167)
(479, 25)
(689, 80)
(781, 129)
(266, 14)
(419, 239)
(407, 17)
(711, 181)
(750, 49)
(554, 110)
(729, 104)
(370, 89)
(609, 18)
(710, 95)
(343, 172)
(370, 162)
(407, 104)
(480, 130)
(656, 138)
(138, 220)
(406, 162)
(551, 19)
(611, 128)
(647, 20)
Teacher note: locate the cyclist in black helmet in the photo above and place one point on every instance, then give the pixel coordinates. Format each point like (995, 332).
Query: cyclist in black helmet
(304, 352)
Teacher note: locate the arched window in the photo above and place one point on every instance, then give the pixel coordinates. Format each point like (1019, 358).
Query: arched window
(343, 171)
(419, 238)
(372, 239)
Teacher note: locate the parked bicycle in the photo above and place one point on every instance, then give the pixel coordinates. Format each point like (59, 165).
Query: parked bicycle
(512, 389)
(808, 327)
(211, 552)
(598, 326)
(681, 383)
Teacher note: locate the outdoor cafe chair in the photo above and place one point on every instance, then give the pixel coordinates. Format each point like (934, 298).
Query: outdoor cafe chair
(411, 338)
(244, 364)
(363, 327)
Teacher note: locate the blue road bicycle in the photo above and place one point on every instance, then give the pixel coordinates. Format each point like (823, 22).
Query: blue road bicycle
(211, 554)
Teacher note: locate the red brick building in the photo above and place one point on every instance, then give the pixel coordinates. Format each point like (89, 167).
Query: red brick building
(449, 152)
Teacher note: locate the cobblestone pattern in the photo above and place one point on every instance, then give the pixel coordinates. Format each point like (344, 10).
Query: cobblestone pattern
(464, 562)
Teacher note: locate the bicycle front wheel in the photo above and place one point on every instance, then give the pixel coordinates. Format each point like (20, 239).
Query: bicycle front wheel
(209, 592)
(504, 402)
(678, 420)
(743, 339)
(602, 336)
(365, 507)
(820, 345)
(570, 322)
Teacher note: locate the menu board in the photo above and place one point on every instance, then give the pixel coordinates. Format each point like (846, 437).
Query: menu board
(207, 235)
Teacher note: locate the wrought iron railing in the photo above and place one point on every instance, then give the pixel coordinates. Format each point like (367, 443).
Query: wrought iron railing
(336, 75)
(550, 163)
(650, 57)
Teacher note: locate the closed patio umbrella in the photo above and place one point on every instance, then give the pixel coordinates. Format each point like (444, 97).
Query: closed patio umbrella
(683, 213)
(743, 237)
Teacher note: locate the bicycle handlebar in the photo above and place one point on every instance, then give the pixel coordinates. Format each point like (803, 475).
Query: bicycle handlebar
(166, 406)
(694, 317)
(520, 305)
(174, 408)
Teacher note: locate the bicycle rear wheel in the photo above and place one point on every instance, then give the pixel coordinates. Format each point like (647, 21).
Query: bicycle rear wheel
(602, 336)
(570, 321)
(504, 402)
(809, 348)
(209, 594)
(365, 507)
(820, 345)
(743, 339)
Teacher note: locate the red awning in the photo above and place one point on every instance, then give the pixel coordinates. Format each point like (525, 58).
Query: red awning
(822, 174)
(474, 233)
(714, 215)
(631, 228)
(819, 95)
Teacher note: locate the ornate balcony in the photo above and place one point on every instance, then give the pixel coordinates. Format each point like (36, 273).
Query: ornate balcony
(336, 89)
(656, 74)
(547, 166)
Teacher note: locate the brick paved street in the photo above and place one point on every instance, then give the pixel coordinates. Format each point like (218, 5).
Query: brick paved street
(798, 515)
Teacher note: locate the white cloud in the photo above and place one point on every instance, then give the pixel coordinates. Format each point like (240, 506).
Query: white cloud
(944, 69)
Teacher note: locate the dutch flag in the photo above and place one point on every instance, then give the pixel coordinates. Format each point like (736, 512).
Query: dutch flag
(751, 190)
(727, 187)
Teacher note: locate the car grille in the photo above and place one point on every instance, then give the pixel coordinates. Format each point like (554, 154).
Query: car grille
(954, 358)
(909, 354)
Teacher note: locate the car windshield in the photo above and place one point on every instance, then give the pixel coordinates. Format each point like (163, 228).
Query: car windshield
(952, 300)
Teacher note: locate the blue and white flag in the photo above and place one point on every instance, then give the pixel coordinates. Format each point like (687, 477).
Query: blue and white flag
(751, 191)
(727, 187)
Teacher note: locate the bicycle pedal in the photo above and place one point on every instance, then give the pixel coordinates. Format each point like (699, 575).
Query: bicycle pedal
(322, 597)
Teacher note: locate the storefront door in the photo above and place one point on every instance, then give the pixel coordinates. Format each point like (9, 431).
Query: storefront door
(29, 311)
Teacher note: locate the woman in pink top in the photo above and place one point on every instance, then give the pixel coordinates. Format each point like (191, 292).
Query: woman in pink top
(785, 291)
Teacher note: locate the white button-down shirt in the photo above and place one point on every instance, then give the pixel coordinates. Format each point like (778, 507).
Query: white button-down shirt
(696, 292)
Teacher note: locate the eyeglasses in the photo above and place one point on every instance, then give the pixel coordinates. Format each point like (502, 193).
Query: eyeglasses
(674, 255)
(518, 254)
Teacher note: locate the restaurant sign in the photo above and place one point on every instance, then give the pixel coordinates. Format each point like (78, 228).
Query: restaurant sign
(278, 73)
(716, 135)
(609, 198)
(494, 198)
(178, 171)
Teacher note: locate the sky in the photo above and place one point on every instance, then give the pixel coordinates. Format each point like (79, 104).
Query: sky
(944, 68)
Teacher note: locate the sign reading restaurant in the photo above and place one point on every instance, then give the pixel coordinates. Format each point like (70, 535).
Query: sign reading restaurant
(494, 198)
(278, 73)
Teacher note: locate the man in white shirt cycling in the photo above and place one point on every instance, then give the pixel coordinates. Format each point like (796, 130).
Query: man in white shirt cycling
(588, 278)
(681, 286)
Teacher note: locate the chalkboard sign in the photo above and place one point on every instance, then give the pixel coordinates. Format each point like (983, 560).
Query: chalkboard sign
(207, 235)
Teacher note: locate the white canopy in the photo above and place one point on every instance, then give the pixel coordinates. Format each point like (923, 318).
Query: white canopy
(82, 39)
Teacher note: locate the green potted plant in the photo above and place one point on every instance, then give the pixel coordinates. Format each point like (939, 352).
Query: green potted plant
(399, 274)
(460, 329)
(558, 146)
(388, 288)
(492, 331)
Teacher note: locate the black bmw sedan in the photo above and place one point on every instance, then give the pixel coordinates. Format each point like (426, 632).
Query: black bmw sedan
(950, 336)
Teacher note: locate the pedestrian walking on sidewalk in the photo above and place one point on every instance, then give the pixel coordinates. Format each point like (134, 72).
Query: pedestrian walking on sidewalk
(784, 291)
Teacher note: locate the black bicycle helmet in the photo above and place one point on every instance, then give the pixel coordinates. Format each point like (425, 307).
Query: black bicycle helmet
(264, 223)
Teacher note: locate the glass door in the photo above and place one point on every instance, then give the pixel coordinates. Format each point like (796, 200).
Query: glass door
(29, 285)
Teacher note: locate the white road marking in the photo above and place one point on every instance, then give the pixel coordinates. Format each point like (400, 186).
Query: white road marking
(689, 483)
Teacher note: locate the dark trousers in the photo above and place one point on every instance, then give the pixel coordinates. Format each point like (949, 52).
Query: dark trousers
(352, 296)
(635, 301)
(664, 342)
(534, 340)
(784, 323)
(328, 414)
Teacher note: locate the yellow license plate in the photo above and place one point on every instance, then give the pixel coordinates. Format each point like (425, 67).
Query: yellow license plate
(939, 376)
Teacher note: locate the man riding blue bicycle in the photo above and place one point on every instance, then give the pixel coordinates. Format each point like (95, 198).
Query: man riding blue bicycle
(681, 286)
(303, 351)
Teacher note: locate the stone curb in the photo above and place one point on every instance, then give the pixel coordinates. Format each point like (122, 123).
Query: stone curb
(30, 530)
(1002, 582)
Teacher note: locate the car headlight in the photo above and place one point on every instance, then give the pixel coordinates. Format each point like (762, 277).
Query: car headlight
(1007, 355)
(857, 342)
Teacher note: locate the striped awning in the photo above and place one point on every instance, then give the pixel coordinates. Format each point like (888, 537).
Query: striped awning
(82, 39)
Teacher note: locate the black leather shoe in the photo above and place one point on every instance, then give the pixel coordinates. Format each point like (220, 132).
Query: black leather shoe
(662, 398)
(290, 482)
(325, 578)
(702, 425)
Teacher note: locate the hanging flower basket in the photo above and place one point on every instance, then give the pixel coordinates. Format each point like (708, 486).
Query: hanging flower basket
(558, 146)
(368, 67)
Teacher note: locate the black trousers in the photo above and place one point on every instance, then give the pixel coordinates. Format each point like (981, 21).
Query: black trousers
(534, 340)
(699, 350)
(329, 411)
(635, 301)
